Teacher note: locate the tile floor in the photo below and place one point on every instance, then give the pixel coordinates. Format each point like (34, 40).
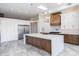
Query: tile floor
(18, 48)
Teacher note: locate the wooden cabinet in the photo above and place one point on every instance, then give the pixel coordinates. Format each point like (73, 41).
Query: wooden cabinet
(29, 41)
(40, 43)
(36, 42)
(45, 44)
(74, 39)
(55, 19)
(68, 39)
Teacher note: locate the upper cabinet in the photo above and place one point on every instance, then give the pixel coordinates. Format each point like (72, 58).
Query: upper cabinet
(55, 19)
(70, 20)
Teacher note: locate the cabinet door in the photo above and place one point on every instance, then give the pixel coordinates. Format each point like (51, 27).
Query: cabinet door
(56, 19)
(75, 39)
(36, 42)
(65, 38)
(68, 39)
(46, 45)
(29, 40)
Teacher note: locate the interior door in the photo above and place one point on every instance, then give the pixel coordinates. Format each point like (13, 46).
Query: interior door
(34, 27)
(22, 29)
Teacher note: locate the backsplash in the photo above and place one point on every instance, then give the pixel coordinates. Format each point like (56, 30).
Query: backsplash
(55, 29)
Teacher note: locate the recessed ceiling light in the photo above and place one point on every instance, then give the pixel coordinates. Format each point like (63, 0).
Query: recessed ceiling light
(42, 7)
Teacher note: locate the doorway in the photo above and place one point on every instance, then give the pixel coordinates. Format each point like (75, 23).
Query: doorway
(22, 29)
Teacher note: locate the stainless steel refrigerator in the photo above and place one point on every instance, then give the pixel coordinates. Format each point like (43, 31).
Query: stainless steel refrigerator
(22, 29)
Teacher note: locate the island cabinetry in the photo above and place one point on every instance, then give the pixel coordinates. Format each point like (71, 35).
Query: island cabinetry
(36, 42)
(45, 44)
(40, 43)
(53, 44)
(33, 41)
(29, 41)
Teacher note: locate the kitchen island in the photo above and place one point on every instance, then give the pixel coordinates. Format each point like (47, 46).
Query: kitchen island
(53, 44)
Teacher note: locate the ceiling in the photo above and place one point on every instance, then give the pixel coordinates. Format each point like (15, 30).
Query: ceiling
(24, 10)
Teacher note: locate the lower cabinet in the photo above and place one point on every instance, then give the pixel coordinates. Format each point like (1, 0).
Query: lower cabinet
(40, 43)
(67, 39)
(74, 39)
(46, 45)
(36, 42)
(29, 41)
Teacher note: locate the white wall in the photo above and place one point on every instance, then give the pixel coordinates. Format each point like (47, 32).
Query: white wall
(9, 28)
